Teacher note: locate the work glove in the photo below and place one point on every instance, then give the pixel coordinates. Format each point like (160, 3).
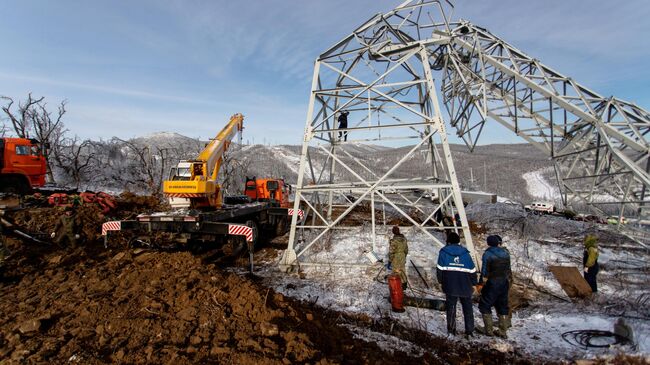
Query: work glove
(478, 288)
(586, 269)
(53, 234)
(389, 266)
(76, 236)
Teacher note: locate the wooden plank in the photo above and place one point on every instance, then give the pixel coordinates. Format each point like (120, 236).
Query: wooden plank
(572, 282)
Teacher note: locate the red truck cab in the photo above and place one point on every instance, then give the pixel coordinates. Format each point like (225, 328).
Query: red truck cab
(268, 189)
(22, 165)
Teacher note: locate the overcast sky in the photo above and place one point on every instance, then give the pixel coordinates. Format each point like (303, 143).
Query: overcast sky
(131, 68)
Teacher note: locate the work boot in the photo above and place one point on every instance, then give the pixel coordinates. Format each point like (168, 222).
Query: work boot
(509, 320)
(503, 327)
(489, 325)
(451, 326)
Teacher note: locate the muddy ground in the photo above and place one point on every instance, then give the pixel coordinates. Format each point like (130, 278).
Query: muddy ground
(94, 305)
(90, 305)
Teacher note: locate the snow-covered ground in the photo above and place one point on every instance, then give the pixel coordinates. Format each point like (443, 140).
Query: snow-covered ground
(538, 187)
(291, 159)
(537, 329)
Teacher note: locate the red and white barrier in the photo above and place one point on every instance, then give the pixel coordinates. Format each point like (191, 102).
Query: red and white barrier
(238, 230)
(300, 212)
(111, 226)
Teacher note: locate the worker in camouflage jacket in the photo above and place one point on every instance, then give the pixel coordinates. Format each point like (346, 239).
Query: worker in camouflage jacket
(456, 272)
(496, 271)
(590, 261)
(397, 251)
(64, 231)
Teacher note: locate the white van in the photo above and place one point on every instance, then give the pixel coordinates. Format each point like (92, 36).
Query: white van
(540, 207)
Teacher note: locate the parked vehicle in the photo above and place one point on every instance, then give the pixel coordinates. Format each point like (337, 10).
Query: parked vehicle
(616, 220)
(540, 207)
(202, 214)
(590, 218)
(22, 165)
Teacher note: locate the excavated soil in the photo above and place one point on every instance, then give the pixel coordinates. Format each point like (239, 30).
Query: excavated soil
(92, 305)
(40, 222)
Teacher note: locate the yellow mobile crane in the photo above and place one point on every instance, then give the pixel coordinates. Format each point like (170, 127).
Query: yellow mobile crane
(211, 218)
(193, 183)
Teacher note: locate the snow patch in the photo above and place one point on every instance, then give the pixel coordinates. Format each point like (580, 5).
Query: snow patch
(537, 330)
(538, 187)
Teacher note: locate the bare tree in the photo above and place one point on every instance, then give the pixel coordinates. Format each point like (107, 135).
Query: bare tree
(234, 168)
(31, 119)
(74, 158)
(147, 165)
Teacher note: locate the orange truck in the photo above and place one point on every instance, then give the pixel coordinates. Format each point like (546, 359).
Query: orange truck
(270, 190)
(22, 165)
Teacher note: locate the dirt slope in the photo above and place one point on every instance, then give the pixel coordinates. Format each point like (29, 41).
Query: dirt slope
(92, 305)
(130, 306)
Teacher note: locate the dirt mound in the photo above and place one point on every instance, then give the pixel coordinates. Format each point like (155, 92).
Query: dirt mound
(140, 306)
(40, 222)
(129, 204)
(160, 307)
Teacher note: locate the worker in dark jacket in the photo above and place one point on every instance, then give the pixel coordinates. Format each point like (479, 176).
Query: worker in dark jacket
(343, 124)
(456, 273)
(64, 231)
(495, 269)
(397, 251)
(590, 261)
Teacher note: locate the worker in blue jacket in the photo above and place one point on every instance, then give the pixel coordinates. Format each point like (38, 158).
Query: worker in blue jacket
(456, 273)
(496, 270)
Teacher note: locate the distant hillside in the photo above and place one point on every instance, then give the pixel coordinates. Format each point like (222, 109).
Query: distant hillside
(166, 140)
(140, 164)
(496, 168)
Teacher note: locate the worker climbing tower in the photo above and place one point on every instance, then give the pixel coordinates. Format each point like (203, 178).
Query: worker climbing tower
(386, 74)
(381, 75)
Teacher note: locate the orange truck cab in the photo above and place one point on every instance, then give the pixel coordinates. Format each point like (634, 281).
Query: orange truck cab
(273, 190)
(22, 165)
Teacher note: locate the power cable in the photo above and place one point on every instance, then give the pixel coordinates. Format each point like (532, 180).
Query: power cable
(594, 338)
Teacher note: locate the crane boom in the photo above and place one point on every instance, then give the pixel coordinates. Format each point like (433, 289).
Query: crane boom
(193, 183)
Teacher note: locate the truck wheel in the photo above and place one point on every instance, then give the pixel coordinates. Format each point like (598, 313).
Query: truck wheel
(234, 246)
(281, 227)
(15, 185)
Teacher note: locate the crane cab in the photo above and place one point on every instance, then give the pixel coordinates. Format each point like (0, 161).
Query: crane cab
(268, 189)
(188, 187)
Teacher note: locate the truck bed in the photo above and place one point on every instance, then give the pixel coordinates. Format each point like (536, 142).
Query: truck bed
(218, 222)
(226, 213)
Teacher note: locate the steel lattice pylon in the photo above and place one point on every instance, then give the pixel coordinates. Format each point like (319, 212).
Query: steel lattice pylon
(382, 73)
(384, 79)
(599, 145)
